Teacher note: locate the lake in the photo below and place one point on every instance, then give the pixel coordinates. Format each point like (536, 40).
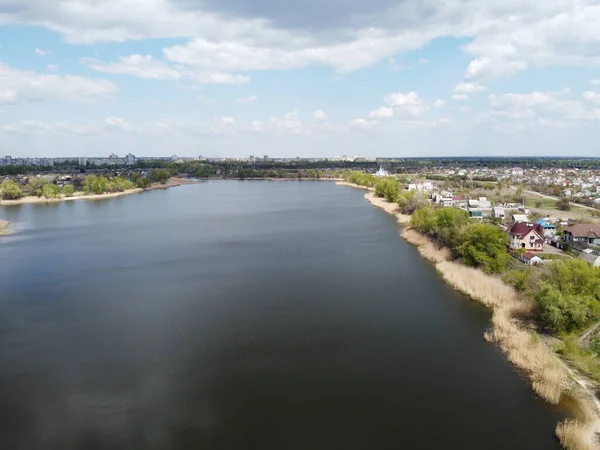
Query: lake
(244, 315)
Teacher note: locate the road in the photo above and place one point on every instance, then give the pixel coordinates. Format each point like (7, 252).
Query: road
(538, 195)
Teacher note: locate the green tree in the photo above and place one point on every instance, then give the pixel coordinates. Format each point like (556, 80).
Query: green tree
(424, 220)
(10, 190)
(68, 190)
(388, 188)
(563, 204)
(484, 246)
(50, 191)
(450, 225)
(411, 201)
(159, 175)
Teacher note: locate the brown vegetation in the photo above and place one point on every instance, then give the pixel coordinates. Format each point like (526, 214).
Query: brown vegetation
(426, 246)
(571, 434)
(388, 207)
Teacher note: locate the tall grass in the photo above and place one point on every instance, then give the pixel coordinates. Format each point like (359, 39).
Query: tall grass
(572, 435)
(426, 246)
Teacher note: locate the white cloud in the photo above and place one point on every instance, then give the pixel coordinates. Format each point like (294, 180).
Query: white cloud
(444, 121)
(460, 97)
(595, 82)
(222, 125)
(150, 68)
(319, 115)
(290, 122)
(382, 112)
(439, 103)
(21, 86)
(364, 124)
(41, 52)
(257, 125)
(468, 88)
(424, 61)
(410, 103)
(141, 66)
(251, 99)
(505, 37)
(53, 67)
(593, 97)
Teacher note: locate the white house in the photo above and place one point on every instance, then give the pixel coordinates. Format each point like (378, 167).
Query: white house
(498, 213)
(382, 173)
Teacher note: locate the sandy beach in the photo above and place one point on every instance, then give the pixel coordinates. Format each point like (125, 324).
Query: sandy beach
(173, 182)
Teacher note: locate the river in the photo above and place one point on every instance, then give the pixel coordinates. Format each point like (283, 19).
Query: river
(244, 315)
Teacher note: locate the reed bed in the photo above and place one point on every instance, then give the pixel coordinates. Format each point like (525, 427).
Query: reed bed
(572, 435)
(426, 246)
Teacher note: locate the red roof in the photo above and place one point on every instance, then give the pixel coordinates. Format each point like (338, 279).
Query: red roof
(522, 228)
(528, 255)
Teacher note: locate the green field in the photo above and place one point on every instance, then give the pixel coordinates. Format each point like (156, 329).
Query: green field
(545, 203)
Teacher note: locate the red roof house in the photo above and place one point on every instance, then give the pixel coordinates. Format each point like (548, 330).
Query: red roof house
(526, 235)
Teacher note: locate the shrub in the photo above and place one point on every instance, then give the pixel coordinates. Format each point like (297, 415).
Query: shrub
(10, 190)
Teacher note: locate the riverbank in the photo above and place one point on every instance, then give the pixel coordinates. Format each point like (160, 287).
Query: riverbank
(513, 331)
(173, 182)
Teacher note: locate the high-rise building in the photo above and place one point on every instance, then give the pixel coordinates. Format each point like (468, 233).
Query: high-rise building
(130, 159)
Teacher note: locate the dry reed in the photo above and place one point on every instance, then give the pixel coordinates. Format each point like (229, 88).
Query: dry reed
(572, 435)
(426, 246)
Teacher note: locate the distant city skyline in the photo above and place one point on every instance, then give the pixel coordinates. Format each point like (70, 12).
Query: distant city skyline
(309, 79)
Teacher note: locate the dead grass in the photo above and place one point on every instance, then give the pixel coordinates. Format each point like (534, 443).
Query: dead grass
(548, 377)
(426, 246)
(3, 230)
(572, 435)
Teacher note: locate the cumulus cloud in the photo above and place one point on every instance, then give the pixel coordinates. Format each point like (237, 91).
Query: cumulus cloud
(595, 82)
(363, 124)
(410, 103)
(41, 52)
(141, 66)
(593, 97)
(439, 103)
(468, 88)
(233, 35)
(460, 97)
(319, 115)
(23, 86)
(382, 112)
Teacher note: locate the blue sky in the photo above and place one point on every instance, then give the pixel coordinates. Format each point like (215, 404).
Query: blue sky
(299, 78)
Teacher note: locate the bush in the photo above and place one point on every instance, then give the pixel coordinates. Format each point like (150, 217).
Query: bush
(50, 191)
(388, 188)
(68, 190)
(563, 204)
(411, 201)
(484, 246)
(10, 190)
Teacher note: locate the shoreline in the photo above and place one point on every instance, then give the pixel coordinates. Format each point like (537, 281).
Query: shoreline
(547, 374)
(32, 200)
(3, 228)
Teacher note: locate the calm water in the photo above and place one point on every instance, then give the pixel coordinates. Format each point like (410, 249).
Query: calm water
(243, 315)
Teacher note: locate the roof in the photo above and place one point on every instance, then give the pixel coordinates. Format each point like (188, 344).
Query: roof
(530, 255)
(584, 230)
(520, 217)
(523, 228)
(545, 224)
(589, 257)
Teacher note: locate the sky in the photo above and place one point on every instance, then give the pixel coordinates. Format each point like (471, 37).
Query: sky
(308, 78)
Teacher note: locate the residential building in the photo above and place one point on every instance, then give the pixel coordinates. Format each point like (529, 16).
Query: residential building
(583, 233)
(130, 159)
(526, 235)
(498, 213)
(549, 228)
(520, 218)
(593, 258)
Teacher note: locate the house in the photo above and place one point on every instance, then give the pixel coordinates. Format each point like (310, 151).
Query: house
(531, 259)
(593, 258)
(520, 218)
(549, 229)
(526, 235)
(498, 213)
(382, 173)
(584, 233)
(475, 214)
